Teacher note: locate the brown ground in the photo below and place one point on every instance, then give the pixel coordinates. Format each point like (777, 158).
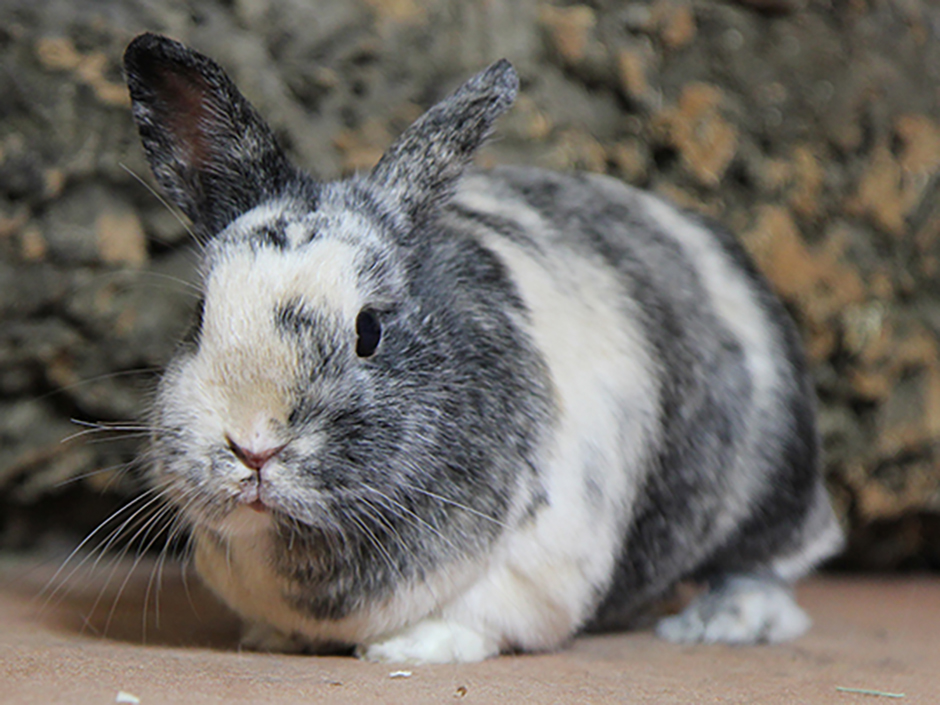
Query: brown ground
(880, 634)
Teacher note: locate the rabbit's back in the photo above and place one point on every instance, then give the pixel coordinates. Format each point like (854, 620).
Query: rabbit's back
(685, 442)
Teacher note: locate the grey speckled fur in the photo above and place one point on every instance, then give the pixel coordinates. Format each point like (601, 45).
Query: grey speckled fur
(580, 395)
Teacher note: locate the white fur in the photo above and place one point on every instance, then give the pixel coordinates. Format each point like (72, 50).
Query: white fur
(241, 378)
(242, 575)
(245, 522)
(733, 298)
(238, 385)
(746, 610)
(259, 216)
(825, 539)
(431, 641)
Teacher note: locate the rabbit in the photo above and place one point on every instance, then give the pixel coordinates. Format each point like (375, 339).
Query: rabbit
(432, 414)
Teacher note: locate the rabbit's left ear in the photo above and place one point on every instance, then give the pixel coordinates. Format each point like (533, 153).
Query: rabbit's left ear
(209, 149)
(422, 167)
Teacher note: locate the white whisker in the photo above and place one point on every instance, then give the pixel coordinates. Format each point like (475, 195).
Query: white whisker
(454, 503)
(160, 198)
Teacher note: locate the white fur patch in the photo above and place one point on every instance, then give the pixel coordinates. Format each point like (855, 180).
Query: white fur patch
(242, 575)
(240, 572)
(733, 299)
(258, 217)
(431, 641)
(245, 369)
(824, 538)
(543, 575)
(729, 292)
(743, 610)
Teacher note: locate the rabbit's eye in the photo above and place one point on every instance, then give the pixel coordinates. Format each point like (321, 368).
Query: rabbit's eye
(368, 333)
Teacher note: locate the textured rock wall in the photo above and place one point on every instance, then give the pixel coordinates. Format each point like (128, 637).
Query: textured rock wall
(810, 127)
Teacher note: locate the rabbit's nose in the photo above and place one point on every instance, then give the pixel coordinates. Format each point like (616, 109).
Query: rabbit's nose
(254, 459)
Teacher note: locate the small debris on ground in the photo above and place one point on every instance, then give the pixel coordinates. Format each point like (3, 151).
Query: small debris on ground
(866, 691)
(400, 674)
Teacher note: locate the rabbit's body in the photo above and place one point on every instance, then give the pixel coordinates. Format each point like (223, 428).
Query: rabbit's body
(438, 415)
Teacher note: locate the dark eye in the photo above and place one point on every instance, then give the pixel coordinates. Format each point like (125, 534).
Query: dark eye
(368, 333)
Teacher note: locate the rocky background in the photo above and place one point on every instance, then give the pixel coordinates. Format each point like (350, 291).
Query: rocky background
(810, 127)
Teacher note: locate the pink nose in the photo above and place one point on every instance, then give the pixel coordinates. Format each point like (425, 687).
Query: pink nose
(253, 459)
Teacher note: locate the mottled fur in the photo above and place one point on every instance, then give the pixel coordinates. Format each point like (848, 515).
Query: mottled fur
(580, 396)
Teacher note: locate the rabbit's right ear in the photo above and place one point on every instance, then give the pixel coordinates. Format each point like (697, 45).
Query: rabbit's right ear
(208, 147)
(423, 165)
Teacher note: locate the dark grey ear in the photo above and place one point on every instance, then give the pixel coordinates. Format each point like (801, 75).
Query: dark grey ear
(422, 167)
(208, 148)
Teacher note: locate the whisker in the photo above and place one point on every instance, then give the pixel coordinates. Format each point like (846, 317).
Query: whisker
(408, 514)
(86, 624)
(375, 513)
(135, 521)
(121, 469)
(156, 573)
(411, 514)
(144, 529)
(82, 544)
(454, 503)
(189, 287)
(122, 437)
(99, 427)
(111, 426)
(176, 528)
(372, 539)
(160, 198)
(98, 378)
(185, 561)
(116, 533)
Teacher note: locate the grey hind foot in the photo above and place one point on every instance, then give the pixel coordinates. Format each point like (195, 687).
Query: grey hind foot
(738, 610)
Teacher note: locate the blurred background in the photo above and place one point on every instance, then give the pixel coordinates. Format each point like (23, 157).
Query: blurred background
(809, 127)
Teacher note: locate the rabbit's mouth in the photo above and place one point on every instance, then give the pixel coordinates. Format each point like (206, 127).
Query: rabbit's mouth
(258, 506)
(260, 499)
(253, 495)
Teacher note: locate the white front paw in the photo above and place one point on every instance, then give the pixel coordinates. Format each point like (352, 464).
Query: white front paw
(430, 641)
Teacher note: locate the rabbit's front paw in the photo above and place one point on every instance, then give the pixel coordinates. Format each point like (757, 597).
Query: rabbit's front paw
(430, 641)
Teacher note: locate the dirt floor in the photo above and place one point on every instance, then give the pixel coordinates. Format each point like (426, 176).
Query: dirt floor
(80, 644)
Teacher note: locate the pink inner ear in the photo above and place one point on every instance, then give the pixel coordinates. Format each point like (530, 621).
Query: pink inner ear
(189, 117)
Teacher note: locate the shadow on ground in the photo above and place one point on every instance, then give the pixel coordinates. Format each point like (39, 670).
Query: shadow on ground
(126, 601)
